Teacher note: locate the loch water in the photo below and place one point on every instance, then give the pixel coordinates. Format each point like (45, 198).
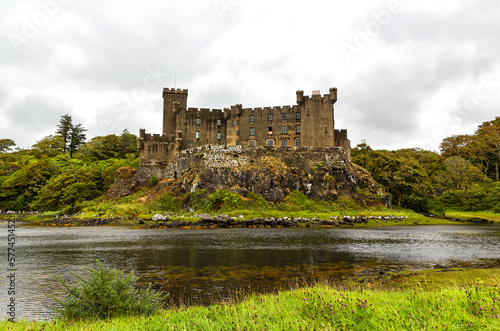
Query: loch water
(208, 265)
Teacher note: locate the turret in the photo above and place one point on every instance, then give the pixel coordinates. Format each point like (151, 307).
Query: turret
(300, 97)
(140, 139)
(227, 113)
(237, 109)
(333, 94)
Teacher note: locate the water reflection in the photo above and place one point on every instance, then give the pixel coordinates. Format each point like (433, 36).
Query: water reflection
(205, 265)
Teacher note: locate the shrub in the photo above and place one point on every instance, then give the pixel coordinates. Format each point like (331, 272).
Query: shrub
(153, 181)
(106, 293)
(220, 199)
(169, 202)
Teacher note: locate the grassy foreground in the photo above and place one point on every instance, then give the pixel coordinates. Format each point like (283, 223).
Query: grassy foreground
(470, 300)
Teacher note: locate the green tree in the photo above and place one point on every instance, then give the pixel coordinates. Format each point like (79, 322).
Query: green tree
(399, 172)
(49, 146)
(128, 144)
(456, 145)
(488, 137)
(21, 187)
(481, 148)
(6, 145)
(461, 174)
(64, 129)
(77, 138)
(74, 185)
(101, 148)
(73, 135)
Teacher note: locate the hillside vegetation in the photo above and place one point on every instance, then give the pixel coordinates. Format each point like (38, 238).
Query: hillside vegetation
(64, 172)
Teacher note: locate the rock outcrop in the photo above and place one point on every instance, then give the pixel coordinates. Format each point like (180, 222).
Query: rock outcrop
(320, 173)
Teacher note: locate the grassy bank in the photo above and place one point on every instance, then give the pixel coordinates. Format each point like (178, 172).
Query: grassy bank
(452, 300)
(129, 210)
(467, 215)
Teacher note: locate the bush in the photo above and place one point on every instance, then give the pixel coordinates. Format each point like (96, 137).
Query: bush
(106, 294)
(168, 202)
(153, 180)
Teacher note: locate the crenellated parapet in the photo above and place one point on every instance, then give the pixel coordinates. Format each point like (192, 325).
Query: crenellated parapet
(156, 148)
(309, 123)
(175, 91)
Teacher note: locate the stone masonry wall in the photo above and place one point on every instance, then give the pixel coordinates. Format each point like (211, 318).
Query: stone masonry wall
(273, 172)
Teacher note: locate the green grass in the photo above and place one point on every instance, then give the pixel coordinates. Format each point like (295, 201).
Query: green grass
(489, 215)
(468, 300)
(296, 205)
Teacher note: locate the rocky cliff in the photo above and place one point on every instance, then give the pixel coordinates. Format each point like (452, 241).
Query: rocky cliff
(320, 173)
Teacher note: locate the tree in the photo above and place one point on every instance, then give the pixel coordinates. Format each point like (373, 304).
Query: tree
(461, 174)
(455, 145)
(73, 135)
(6, 145)
(102, 148)
(64, 129)
(49, 146)
(73, 186)
(21, 187)
(128, 143)
(399, 172)
(488, 135)
(77, 138)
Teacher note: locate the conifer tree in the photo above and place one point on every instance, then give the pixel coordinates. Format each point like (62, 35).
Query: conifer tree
(73, 135)
(64, 129)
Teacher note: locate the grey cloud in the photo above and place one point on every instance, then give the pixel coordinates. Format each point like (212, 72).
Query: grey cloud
(33, 117)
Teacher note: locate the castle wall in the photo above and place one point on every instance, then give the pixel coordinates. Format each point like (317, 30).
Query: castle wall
(156, 149)
(233, 125)
(202, 127)
(309, 123)
(317, 121)
(276, 126)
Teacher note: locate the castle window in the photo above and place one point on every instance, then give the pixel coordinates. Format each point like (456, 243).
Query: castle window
(283, 116)
(297, 142)
(198, 121)
(298, 128)
(237, 142)
(308, 113)
(237, 132)
(326, 129)
(218, 122)
(284, 142)
(270, 130)
(252, 131)
(232, 122)
(298, 116)
(197, 135)
(284, 130)
(270, 142)
(270, 117)
(252, 118)
(218, 136)
(251, 143)
(237, 122)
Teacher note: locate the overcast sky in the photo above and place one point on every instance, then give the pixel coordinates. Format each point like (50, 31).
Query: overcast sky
(409, 73)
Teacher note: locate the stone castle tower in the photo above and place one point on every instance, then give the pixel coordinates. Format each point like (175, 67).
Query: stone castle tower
(309, 123)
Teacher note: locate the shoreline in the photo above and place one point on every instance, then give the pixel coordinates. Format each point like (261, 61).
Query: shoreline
(206, 221)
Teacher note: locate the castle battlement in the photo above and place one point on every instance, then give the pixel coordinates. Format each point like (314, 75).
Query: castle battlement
(308, 123)
(176, 91)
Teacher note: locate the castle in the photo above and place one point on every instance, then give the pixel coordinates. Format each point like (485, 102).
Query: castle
(310, 123)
